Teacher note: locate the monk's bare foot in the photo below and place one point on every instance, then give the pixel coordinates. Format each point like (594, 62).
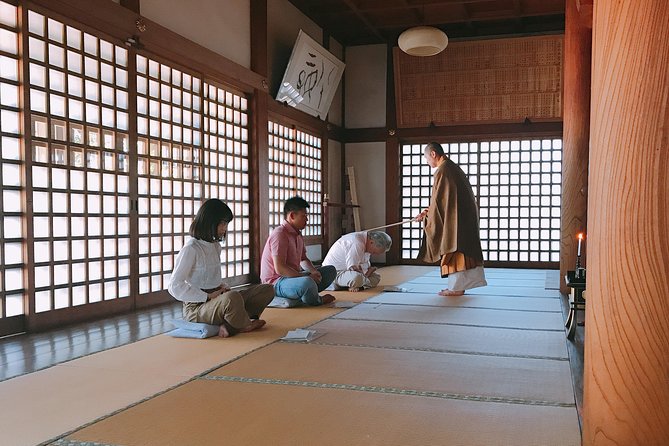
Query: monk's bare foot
(446, 293)
(254, 325)
(223, 332)
(354, 289)
(327, 299)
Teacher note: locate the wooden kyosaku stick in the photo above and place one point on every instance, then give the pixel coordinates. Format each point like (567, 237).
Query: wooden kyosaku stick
(392, 224)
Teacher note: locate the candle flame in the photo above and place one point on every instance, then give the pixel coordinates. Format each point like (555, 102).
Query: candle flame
(580, 236)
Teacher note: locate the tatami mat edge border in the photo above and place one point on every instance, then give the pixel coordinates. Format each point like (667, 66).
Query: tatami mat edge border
(437, 350)
(408, 291)
(66, 442)
(458, 306)
(447, 323)
(387, 390)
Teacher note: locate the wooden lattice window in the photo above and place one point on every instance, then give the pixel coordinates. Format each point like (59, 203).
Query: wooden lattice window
(308, 179)
(105, 157)
(80, 182)
(518, 187)
(295, 168)
(11, 162)
(226, 170)
(169, 147)
(281, 170)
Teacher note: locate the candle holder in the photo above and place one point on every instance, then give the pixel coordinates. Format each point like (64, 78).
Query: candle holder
(579, 272)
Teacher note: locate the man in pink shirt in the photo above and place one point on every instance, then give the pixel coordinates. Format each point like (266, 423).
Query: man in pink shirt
(285, 264)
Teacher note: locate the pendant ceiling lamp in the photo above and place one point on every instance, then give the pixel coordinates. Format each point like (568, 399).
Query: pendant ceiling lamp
(423, 41)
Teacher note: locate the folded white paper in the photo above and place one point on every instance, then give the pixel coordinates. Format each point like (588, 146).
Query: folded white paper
(302, 335)
(395, 289)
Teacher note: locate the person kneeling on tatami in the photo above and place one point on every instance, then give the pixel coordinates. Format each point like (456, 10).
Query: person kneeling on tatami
(350, 256)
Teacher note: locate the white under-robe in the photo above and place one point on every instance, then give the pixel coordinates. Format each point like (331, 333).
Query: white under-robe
(467, 279)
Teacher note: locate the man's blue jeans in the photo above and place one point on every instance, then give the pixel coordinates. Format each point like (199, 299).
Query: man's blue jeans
(305, 288)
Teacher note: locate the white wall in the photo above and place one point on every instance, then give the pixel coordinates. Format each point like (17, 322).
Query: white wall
(365, 76)
(314, 253)
(223, 27)
(333, 189)
(369, 161)
(365, 94)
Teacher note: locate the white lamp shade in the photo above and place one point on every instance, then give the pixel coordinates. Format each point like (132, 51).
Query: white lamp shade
(423, 41)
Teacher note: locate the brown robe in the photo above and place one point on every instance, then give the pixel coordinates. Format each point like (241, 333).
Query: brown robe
(452, 222)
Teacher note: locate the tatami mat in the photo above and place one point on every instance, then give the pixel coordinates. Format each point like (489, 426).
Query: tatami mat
(397, 369)
(489, 290)
(468, 300)
(480, 317)
(444, 338)
(552, 280)
(492, 281)
(211, 412)
(392, 275)
(539, 380)
(79, 391)
(501, 273)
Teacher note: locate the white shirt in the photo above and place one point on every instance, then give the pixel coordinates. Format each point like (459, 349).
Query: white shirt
(349, 251)
(197, 267)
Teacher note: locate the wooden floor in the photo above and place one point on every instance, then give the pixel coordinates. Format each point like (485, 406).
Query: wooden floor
(27, 353)
(24, 354)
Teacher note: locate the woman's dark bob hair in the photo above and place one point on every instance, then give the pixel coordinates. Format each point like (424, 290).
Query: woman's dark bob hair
(205, 224)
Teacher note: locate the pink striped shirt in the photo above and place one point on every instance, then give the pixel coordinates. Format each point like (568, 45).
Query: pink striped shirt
(285, 242)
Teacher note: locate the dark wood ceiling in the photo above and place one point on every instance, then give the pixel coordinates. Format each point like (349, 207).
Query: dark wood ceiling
(361, 22)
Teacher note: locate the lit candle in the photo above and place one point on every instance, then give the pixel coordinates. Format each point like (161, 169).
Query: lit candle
(580, 239)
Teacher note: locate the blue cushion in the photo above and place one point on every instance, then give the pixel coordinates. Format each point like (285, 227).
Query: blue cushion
(185, 329)
(282, 302)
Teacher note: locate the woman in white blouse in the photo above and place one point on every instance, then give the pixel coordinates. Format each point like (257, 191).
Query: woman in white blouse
(197, 280)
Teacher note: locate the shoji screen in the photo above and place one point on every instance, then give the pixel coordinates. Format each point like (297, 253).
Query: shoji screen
(80, 143)
(295, 168)
(518, 188)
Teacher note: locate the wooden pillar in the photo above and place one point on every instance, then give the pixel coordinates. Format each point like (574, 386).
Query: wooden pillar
(626, 388)
(576, 133)
(259, 137)
(393, 187)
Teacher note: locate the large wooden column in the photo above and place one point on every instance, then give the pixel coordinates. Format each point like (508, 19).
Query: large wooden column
(626, 394)
(576, 133)
(259, 136)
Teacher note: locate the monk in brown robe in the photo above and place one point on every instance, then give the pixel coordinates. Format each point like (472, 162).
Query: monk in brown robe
(452, 226)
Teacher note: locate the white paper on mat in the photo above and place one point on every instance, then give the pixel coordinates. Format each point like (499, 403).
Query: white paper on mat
(395, 289)
(302, 335)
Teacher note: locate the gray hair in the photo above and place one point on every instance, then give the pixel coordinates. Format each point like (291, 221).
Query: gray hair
(380, 239)
(434, 147)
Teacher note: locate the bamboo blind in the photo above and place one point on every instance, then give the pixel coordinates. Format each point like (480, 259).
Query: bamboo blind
(502, 80)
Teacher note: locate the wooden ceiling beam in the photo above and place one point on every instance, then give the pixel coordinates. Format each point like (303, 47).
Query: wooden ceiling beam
(437, 21)
(351, 4)
(384, 6)
(518, 11)
(357, 22)
(419, 14)
(468, 17)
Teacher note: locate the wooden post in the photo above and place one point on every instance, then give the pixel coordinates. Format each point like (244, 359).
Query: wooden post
(576, 136)
(353, 190)
(393, 180)
(626, 387)
(260, 137)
